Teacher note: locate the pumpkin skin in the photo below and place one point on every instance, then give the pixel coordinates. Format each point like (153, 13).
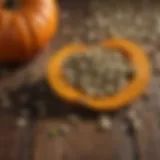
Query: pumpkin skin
(25, 31)
(134, 88)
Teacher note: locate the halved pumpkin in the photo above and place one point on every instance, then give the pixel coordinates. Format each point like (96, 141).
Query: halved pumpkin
(134, 88)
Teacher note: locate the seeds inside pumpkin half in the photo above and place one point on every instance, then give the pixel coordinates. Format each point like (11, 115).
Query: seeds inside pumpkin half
(98, 72)
(103, 78)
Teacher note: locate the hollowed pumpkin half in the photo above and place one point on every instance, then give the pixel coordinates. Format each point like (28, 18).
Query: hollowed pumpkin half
(134, 88)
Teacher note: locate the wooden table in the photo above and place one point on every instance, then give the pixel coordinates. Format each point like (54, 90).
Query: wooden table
(134, 133)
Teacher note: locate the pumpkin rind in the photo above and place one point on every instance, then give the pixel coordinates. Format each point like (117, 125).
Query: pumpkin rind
(136, 87)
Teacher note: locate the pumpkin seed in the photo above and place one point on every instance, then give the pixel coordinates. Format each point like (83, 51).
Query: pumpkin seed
(73, 119)
(63, 129)
(53, 133)
(104, 123)
(22, 122)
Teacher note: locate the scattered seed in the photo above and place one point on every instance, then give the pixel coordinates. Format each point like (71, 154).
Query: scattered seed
(64, 129)
(134, 119)
(61, 130)
(22, 122)
(73, 119)
(91, 36)
(53, 133)
(132, 115)
(137, 124)
(104, 123)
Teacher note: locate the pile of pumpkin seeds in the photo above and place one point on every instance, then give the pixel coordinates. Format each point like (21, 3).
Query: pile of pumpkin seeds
(98, 72)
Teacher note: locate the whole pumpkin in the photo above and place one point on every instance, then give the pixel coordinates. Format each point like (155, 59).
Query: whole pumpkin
(25, 31)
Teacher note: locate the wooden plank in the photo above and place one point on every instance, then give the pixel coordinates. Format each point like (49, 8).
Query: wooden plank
(82, 142)
(145, 123)
(11, 136)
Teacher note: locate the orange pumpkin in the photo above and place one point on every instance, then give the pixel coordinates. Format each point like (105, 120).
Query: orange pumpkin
(134, 54)
(25, 31)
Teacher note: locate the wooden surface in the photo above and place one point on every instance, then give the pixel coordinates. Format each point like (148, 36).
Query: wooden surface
(12, 137)
(127, 138)
(133, 133)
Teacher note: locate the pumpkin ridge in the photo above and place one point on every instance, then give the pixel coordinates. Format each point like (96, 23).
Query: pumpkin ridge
(31, 34)
(37, 17)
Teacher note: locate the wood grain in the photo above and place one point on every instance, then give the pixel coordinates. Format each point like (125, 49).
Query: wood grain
(10, 135)
(83, 142)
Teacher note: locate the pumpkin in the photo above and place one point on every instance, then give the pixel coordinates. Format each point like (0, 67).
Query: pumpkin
(136, 87)
(25, 31)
